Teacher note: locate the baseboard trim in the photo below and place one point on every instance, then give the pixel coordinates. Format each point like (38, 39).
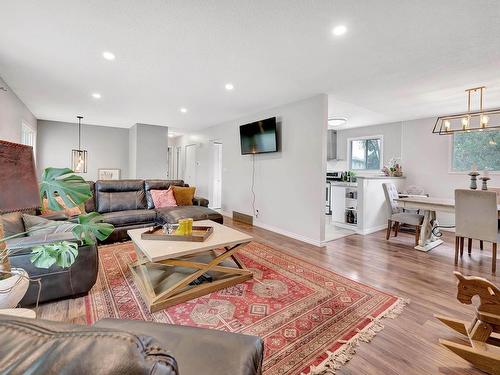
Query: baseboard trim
(283, 232)
(372, 230)
(288, 234)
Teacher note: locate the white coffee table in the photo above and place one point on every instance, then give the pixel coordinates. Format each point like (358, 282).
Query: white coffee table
(164, 269)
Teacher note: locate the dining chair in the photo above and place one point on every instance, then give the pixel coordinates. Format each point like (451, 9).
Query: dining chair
(397, 216)
(476, 217)
(481, 245)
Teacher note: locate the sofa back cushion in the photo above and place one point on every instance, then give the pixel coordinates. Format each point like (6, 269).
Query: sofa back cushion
(119, 195)
(158, 185)
(34, 346)
(90, 203)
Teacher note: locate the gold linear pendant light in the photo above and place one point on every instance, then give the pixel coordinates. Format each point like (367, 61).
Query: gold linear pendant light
(471, 120)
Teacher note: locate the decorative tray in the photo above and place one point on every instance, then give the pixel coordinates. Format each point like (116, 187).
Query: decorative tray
(200, 234)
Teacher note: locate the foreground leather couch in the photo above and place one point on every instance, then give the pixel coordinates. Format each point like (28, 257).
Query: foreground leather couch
(56, 282)
(114, 346)
(127, 204)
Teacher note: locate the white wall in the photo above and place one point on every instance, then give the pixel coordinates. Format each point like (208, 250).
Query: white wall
(12, 114)
(289, 185)
(426, 159)
(391, 133)
(107, 147)
(149, 144)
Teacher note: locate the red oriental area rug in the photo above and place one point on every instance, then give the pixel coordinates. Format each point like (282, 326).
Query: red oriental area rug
(311, 319)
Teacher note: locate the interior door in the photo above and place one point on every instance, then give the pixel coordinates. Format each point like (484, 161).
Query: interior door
(216, 201)
(190, 165)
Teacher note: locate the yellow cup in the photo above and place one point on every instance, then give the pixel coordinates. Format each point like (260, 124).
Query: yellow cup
(189, 226)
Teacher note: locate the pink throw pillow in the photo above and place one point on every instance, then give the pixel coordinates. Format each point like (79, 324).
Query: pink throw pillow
(163, 198)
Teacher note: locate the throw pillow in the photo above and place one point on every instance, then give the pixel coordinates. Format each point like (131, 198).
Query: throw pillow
(44, 226)
(73, 211)
(163, 198)
(184, 195)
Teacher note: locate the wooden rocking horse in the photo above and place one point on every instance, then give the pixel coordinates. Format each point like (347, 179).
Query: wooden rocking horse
(483, 330)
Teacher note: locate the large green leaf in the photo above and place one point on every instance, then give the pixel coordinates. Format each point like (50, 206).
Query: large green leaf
(61, 181)
(63, 254)
(90, 227)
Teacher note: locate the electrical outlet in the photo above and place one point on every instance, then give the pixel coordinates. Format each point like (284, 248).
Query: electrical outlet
(256, 213)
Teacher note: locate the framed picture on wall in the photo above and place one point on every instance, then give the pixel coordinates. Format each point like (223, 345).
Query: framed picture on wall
(108, 174)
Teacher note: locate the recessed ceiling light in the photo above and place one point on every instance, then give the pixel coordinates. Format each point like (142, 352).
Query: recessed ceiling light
(339, 30)
(229, 86)
(171, 135)
(183, 110)
(108, 55)
(96, 95)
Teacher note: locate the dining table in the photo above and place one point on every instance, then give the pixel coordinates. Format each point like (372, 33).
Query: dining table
(429, 237)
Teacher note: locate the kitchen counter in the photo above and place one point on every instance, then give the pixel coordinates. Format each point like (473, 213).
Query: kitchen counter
(379, 177)
(344, 183)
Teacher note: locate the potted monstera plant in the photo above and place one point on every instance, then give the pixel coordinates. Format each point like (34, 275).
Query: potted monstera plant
(87, 228)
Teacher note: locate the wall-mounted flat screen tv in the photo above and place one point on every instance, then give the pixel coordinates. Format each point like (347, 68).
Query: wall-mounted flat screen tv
(259, 137)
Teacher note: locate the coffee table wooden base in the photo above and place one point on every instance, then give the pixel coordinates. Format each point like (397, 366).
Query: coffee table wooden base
(166, 283)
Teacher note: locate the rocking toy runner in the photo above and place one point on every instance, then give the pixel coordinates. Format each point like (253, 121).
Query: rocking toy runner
(484, 349)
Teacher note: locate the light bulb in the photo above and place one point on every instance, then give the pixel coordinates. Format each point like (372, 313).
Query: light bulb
(465, 123)
(447, 125)
(484, 121)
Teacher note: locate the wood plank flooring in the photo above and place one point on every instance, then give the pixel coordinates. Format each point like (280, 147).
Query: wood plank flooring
(408, 344)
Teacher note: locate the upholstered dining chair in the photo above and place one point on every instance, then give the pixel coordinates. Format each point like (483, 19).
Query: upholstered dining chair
(481, 245)
(476, 217)
(397, 216)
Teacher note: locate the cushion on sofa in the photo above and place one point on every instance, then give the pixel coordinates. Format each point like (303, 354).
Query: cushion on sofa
(34, 346)
(121, 218)
(158, 185)
(200, 350)
(119, 195)
(68, 211)
(173, 214)
(163, 198)
(184, 195)
(12, 223)
(41, 226)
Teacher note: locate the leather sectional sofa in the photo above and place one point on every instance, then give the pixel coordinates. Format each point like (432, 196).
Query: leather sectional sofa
(114, 346)
(127, 204)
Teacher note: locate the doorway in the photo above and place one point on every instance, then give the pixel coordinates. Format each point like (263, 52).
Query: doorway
(216, 201)
(190, 165)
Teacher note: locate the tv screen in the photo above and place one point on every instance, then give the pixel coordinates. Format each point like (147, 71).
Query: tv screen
(259, 137)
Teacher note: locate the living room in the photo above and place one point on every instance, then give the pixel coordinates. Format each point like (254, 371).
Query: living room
(164, 184)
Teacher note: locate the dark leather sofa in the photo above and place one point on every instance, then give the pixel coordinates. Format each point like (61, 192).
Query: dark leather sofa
(128, 204)
(124, 347)
(56, 282)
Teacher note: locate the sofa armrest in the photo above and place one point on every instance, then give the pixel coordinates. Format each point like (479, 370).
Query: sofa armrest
(57, 216)
(199, 201)
(26, 243)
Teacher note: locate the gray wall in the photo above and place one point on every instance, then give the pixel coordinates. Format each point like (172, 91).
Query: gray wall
(149, 144)
(12, 114)
(107, 147)
(391, 145)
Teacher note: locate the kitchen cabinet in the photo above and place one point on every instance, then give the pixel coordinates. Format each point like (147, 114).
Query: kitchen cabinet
(331, 145)
(338, 203)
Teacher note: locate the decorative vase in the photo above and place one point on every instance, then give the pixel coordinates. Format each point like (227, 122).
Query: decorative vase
(13, 289)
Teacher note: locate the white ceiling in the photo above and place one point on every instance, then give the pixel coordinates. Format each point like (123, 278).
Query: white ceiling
(400, 59)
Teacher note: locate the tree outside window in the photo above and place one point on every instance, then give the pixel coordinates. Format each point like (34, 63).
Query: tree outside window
(481, 149)
(365, 154)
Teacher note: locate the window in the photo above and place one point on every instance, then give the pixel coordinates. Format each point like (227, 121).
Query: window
(481, 149)
(28, 137)
(365, 153)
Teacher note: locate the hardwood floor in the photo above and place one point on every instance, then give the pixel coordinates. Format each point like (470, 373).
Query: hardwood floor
(409, 343)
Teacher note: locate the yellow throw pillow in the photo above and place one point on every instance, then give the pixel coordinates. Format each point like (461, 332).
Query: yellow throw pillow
(74, 211)
(184, 195)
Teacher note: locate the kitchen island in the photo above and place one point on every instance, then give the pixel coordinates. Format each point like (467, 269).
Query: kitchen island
(361, 206)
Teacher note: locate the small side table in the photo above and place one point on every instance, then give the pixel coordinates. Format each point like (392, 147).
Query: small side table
(22, 313)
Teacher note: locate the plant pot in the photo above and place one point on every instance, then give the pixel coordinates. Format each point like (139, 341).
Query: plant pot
(13, 289)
